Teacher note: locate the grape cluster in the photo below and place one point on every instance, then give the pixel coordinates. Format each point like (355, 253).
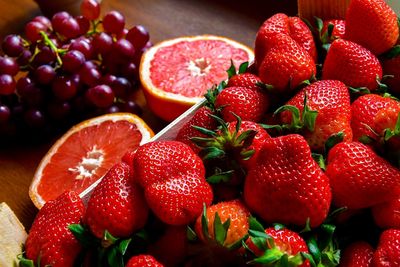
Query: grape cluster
(69, 68)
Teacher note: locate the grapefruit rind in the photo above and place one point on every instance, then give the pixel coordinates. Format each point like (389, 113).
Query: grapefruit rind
(159, 100)
(145, 130)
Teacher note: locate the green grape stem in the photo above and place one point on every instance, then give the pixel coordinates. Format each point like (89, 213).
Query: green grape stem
(53, 47)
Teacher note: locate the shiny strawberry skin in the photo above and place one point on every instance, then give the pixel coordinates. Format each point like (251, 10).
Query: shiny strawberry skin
(364, 110)
(358, 254)
(257, 143)
(143, 261)
(388, 251)
(372, 24)
(173, 178)
(49, 237)
(332, 101)
(117, 204)
(286, 240)
(392, 67)
(352, 64)
(359, 177)
(339, 27)
(286, 65)
(247, 80)
(286, 185)
(202, 119)
(248, 104)
(300, 32)
(387, 214)
(234, 210)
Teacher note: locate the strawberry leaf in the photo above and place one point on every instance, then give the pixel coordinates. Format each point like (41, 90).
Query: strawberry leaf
(238, 243)
(123, 245)
(394, 52)
(307, 227)
(24, 262)
(83, 235)
(220, 229)
(204, 223)
(255, 225)
(232, 70)
(271, 127)
(365, 139)
(220, 177)
(246, 137)
(314, 249)
(204, 130)
(247, 154)
(212, 153)
(190, 234)
(320, 160)
(333, 140)
(270, 256)
(243, 67)
(308, 116)
(308, 257)
(264, 86)
(359, 90)
(319, 23)
(114, 258)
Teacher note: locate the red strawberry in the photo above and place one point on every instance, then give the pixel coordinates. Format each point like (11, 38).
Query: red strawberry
(285, 242)
(392, 67)
(143, 261)
(360, 178)
(247, 80)
(300, 32)
(364, 110)
(385, 126)
(339, 28)
(201, 119)
(286, 185)
(290, 26)
(234, 211)
(247, 103)
(170, 249)
(331, 100)
(117, 204)
(358, 254)
(387, 214)
(352, 64)
(49, 239)
(286, 65)
(372, 24)
(173, 178)
(388, 251)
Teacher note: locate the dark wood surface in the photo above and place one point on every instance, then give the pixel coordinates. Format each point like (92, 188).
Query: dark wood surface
(164, 19)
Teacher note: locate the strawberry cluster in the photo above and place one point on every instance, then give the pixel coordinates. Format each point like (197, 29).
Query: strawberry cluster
(290, 161)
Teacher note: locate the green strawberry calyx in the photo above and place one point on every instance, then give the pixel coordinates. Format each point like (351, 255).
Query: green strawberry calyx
(232, 69)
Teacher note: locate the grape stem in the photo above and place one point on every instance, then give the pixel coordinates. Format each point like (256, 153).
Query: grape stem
(53, 47)
(94, 23)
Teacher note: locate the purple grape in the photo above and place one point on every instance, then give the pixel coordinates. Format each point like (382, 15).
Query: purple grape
(89, 74)
(90, 9)
(59, 110)
(42, 19)
(121, 87)
(108, 79)
(130, 71)
(84, 24)
(45, 56)
(7, 84)
(22, 83)
(12, 45)
(5, 113)
(45, 74)
(138, 36)
(113, 109)
(72, 61)
(9, 66)
(82, 45)
(64, 88)
(57, 20)
(32, 95)
(131, 107)
(24, 58)
(124, 49)
(101, 96)
(33, 29)
(102, 43)
(113, 22)
(34, 118)
(69, 28)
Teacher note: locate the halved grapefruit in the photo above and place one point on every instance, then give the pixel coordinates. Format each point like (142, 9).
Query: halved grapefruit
(85, 153)
(176, 73)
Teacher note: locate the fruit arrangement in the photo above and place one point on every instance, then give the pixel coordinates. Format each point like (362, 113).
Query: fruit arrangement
(293, 161)
(68, 69)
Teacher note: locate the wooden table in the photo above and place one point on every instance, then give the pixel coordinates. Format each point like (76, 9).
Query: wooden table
(164, 19)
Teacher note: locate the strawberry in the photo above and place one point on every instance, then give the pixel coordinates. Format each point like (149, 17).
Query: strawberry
(247, 80)
(277, 243)
(49, 240)
(388, 251)
(293, 27)
(358, 254)
(372, 24)
(286, 185)
(117, 204)
(143, 261)
(331, 100)
(391, 66)
(173, 178)
(202, 119)
(387, 214)
(339, 28)
(247, 103)
(364, 110)
(170, 249)
(352, 64)
(286, 65)
(359, 177)
(225, 223)
(386, 126)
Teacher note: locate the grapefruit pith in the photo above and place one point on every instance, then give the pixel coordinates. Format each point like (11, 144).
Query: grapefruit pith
(85, 153)
(175, 74)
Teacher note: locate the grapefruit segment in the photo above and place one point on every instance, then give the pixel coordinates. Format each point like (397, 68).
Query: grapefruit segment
(176, 73)
(85, 153)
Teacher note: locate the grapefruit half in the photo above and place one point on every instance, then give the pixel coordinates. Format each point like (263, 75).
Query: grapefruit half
(85, 153)
(175, 74)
